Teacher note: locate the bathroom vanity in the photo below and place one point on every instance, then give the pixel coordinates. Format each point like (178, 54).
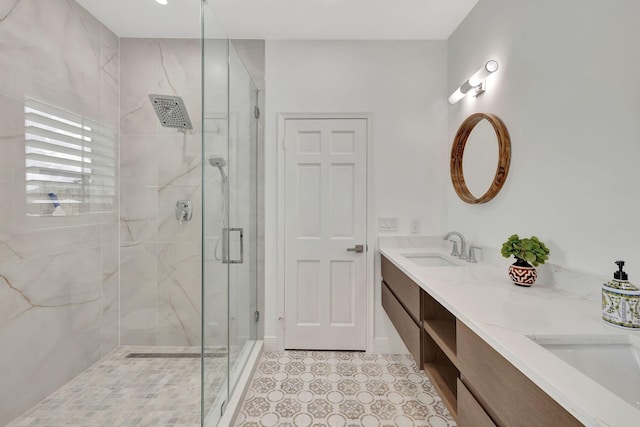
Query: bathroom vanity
(477, 337)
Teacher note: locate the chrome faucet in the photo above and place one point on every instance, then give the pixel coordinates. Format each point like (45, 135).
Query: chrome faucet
(472, 254)
(463, 244)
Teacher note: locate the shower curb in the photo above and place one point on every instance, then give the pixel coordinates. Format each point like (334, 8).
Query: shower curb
(235, 400)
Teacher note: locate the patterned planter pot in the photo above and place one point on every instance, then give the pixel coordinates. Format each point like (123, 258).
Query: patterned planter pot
(522, 273)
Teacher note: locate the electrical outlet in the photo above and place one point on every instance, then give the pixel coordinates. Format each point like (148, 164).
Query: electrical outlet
(415, 226)
(388, 224)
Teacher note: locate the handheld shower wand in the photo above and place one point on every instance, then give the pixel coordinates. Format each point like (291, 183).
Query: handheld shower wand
(219, 162)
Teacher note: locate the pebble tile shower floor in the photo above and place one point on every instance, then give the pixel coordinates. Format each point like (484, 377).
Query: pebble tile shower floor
(341, 389)
(289, 389)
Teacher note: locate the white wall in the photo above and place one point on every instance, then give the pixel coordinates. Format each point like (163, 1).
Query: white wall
(403, 85)
(569, 93)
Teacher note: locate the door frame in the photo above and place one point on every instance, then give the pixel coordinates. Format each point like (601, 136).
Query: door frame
(370, 223)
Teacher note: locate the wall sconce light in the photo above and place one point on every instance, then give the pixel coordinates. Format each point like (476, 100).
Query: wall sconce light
(476, 83)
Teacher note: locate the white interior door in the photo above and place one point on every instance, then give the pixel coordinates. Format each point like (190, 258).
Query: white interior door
(325, 220)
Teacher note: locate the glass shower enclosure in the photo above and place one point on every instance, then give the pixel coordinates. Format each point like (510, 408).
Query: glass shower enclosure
(229, 194)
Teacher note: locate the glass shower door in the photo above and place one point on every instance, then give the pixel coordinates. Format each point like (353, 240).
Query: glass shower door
(242, 215)
(215, 220)
(229, 217)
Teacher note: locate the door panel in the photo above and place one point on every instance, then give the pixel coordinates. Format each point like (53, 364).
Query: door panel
(308, 293)
(342, 293)
(309, 201)
(342, 206)
(325, 202)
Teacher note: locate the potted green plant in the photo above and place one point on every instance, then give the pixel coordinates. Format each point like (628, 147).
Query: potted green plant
(529, 253)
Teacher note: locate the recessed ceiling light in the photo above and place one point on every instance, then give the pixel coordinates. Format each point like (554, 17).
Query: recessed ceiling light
(162, 1)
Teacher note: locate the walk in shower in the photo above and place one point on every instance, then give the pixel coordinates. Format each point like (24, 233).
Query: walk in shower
(129, 259)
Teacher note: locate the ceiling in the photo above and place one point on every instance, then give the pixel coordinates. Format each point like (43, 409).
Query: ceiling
(285, 19)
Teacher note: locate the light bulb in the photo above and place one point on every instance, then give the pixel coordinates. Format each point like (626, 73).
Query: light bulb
(479, 76)
(475, 81)
(456, 96)
(163, 2)
(491, 65)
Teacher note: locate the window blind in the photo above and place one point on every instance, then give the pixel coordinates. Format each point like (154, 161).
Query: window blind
(67, 157)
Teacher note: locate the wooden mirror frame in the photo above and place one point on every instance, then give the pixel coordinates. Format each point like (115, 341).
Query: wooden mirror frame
(457, 152)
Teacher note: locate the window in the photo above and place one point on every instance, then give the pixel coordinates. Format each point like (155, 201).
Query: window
(70, 162)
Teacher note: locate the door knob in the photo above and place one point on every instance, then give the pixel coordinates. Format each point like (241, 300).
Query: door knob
(357, 249)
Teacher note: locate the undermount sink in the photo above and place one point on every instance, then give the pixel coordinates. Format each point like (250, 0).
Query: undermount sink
(613, 361)
(430, 260)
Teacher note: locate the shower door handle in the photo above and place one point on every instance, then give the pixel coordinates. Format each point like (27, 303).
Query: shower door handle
(226, 245)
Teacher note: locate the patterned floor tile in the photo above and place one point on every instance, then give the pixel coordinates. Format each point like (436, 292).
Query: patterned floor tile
(341, 389)
(289, 389)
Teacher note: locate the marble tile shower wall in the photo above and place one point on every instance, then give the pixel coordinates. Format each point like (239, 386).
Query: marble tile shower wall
(160, 300)
(59, 276)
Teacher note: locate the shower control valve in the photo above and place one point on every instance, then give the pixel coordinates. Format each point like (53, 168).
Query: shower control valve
(184, 211)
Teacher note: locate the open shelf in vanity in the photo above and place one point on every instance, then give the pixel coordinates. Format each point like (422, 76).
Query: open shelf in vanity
(439, 350)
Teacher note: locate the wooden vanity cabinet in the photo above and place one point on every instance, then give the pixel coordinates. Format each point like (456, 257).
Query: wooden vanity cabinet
(507, 395)
(470, 411)
(401, 301)
(407, 328)
(404, 289)
(479, 386)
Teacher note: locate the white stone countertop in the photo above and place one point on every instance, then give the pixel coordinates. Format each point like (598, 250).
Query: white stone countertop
(561, 302)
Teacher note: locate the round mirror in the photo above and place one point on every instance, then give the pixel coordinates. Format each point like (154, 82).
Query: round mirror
(485, 167)
(480, 158)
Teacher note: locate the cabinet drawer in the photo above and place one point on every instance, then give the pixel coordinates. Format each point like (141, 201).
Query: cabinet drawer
(470, 413)
(408, 329)
(407, 291)
(508, 396)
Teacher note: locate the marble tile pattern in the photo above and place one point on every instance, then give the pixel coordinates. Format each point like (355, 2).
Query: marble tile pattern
(341, 389)
(59, 276)
(120, 391)
(159, 257)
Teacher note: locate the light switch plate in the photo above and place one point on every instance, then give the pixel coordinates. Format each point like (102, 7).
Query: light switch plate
(388, 224)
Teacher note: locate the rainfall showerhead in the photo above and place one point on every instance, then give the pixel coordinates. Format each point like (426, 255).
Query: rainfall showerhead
(171, 111)
(220, 163)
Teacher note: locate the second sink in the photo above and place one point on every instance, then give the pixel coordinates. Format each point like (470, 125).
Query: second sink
(613, 361)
